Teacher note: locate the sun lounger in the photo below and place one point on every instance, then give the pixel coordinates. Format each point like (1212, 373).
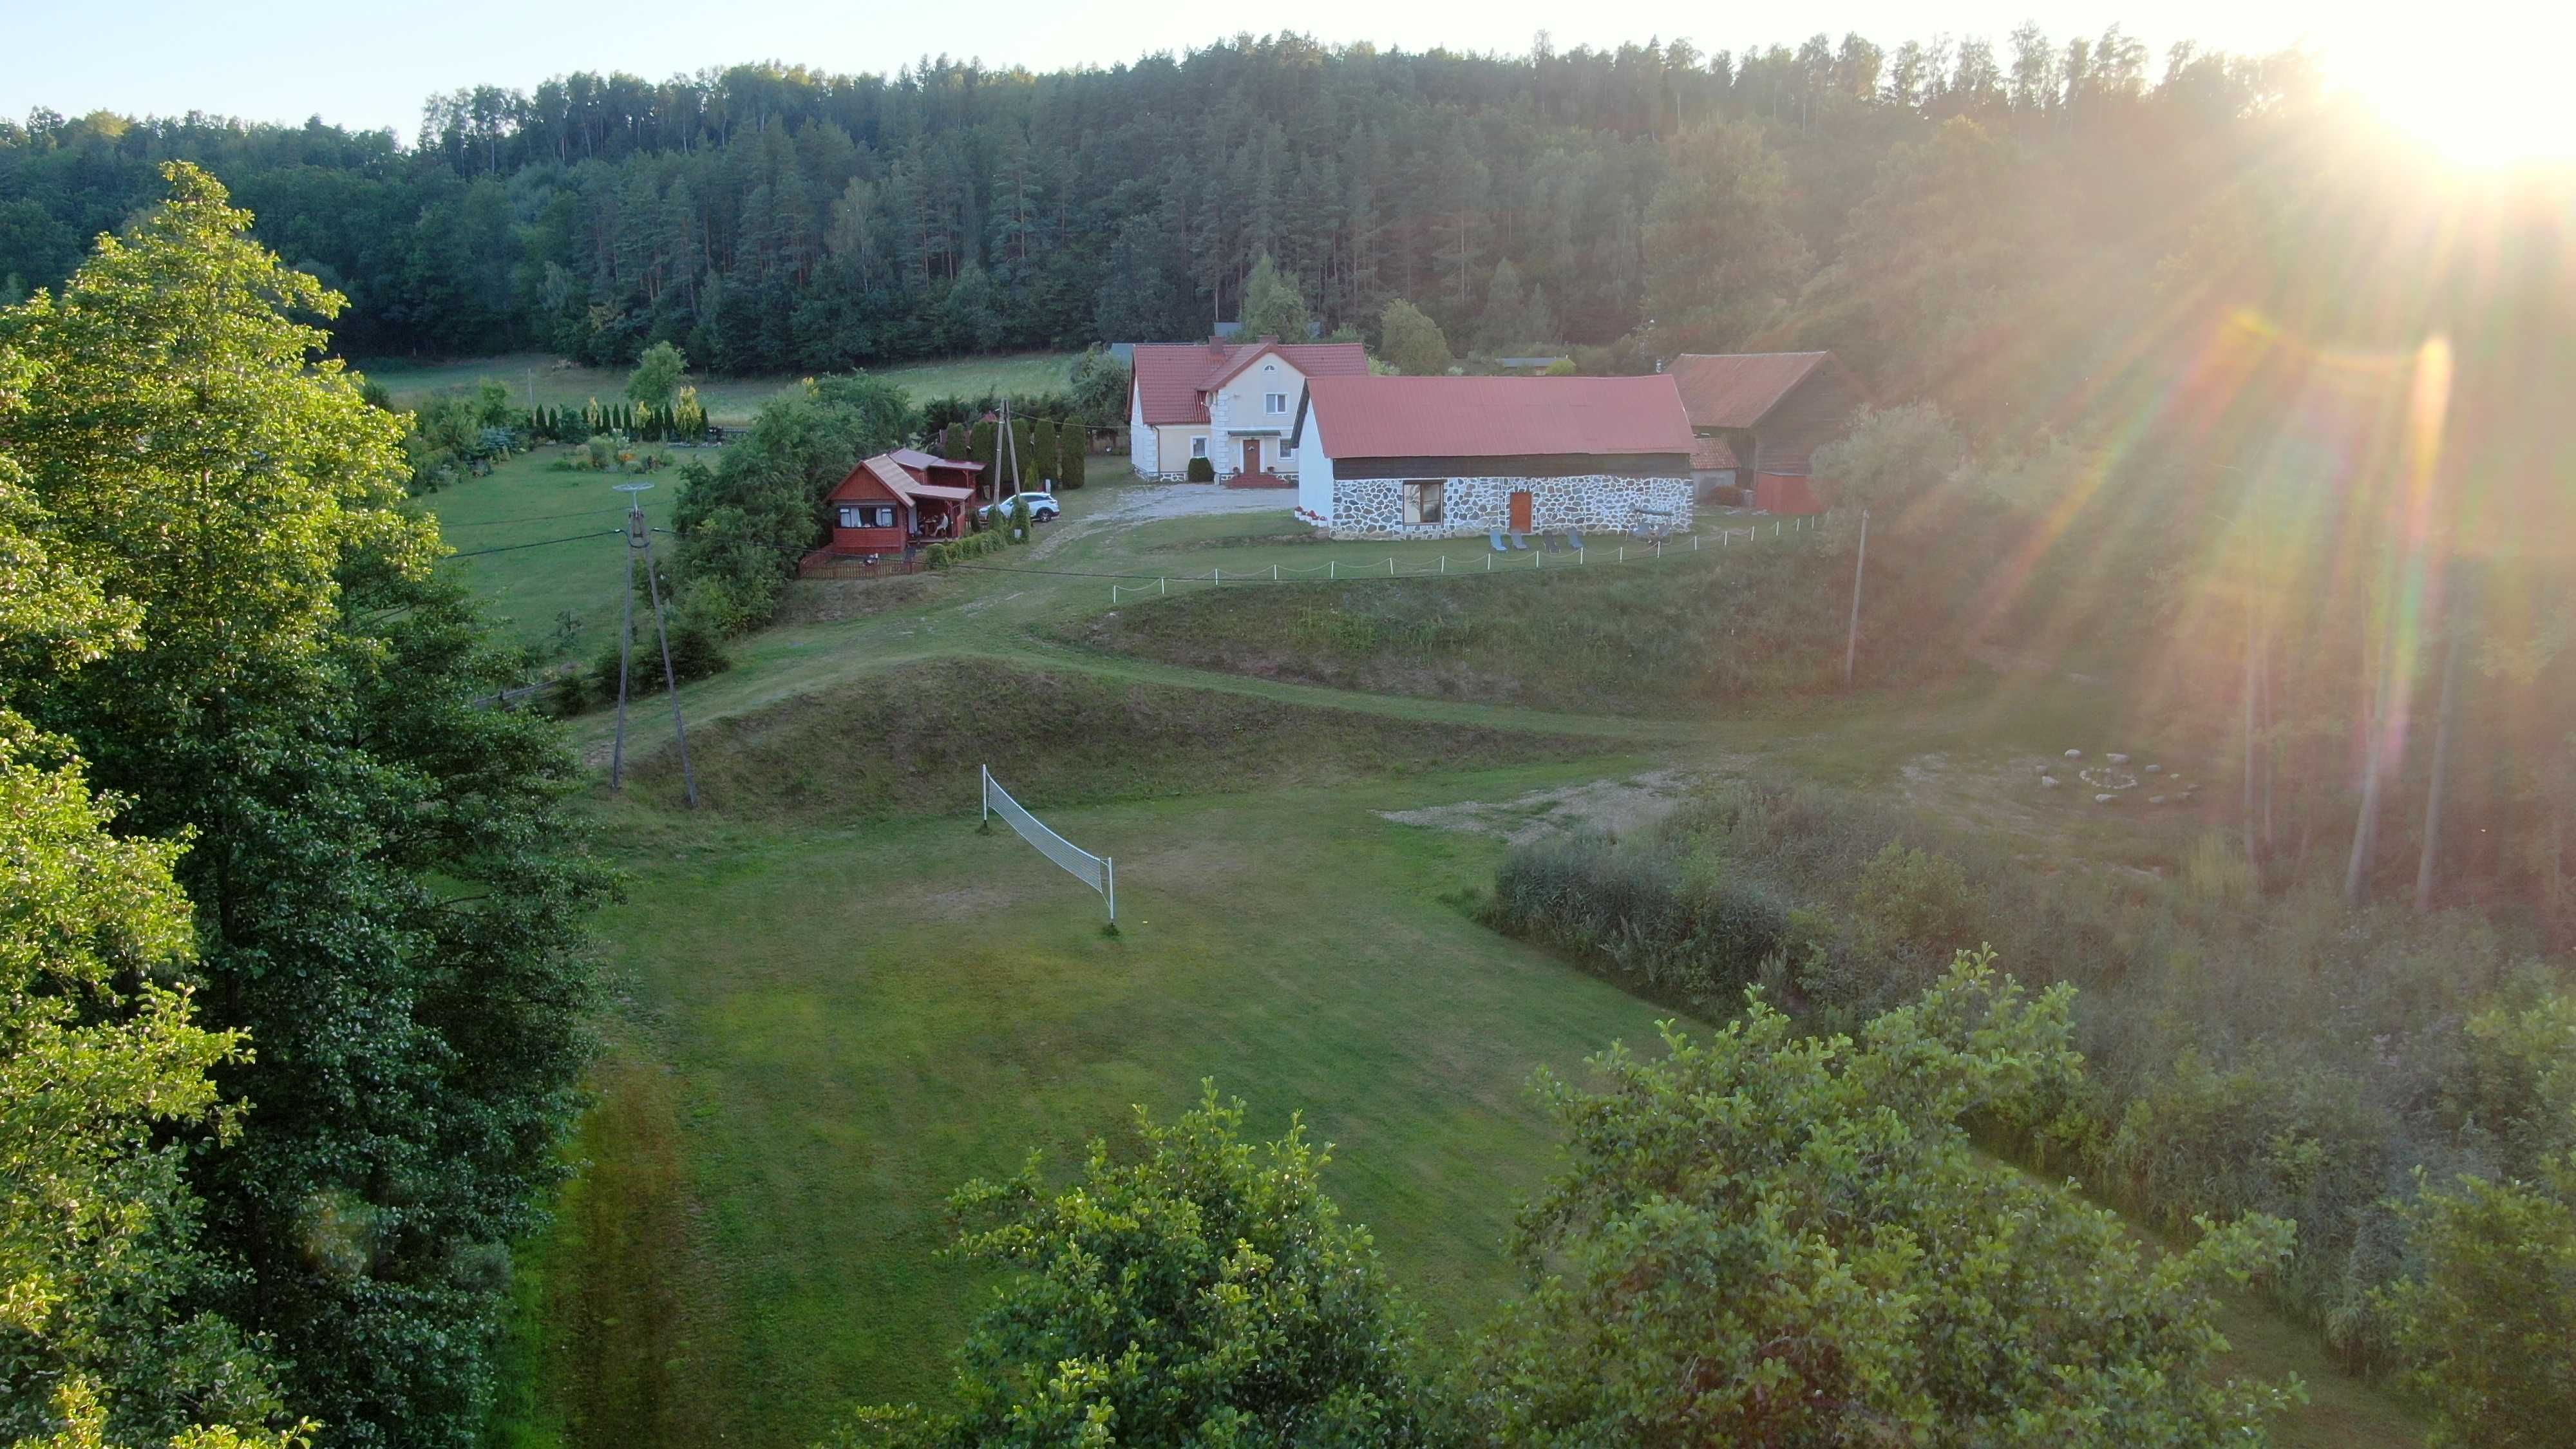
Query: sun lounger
(1496, 536)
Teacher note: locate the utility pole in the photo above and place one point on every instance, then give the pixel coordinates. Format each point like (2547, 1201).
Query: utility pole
(639, 548)
(1851, 636)
(626, 631)
(1009, 445)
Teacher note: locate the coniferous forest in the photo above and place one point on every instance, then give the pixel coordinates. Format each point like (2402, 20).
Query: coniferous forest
(1907, 205)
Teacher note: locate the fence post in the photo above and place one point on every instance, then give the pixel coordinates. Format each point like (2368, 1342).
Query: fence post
(1332, 568)
(1489, 563)
(1623, 553)
(1274, 573)
(1162, 586)
(1390, 565)
(1216, 576)
(1444, 563)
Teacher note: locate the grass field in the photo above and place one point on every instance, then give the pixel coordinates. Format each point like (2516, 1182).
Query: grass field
(533, 377)
(836, 1000)
(536, 543)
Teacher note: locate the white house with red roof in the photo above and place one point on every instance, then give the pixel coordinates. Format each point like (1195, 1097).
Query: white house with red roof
(1230, 402)
(1435, 457)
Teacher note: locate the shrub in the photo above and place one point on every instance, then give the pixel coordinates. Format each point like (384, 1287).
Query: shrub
(1073, 455)
(1201, 470)
(950, 552)
(2489, 1324)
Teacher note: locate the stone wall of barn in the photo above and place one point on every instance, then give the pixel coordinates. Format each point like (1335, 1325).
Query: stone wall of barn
(1599, 503)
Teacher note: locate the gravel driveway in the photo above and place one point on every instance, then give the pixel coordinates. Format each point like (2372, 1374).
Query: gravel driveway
(1146, 502)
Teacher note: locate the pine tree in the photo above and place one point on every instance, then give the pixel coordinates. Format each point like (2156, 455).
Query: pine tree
(1042, 450)
(983, 447)
(953, 444)
(1073, 451)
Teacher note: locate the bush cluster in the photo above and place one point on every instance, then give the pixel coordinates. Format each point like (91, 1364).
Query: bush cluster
(2284, 1055)
(947, 553)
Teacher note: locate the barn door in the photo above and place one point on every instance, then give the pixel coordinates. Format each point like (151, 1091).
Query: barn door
(1520, 513)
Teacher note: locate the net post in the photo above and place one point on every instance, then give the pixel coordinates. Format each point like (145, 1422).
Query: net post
(984, 794)
(1109, 886)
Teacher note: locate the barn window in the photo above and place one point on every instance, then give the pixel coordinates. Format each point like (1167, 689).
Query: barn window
(1422, 500)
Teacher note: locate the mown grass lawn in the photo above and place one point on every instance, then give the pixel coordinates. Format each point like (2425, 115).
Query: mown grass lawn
(829, 1030)
(535, 544)
(534, 377)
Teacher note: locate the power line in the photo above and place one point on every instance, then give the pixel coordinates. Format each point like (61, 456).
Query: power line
(445, 526)
(540, 543)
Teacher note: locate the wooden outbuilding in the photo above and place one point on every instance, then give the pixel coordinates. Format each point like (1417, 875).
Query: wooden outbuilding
(894, 503)
(1760, 416)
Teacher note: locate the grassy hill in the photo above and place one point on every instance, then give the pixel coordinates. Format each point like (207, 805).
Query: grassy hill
(908, 741)
(1723, 625)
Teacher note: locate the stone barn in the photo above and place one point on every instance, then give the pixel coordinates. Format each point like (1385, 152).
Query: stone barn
(1440, 457)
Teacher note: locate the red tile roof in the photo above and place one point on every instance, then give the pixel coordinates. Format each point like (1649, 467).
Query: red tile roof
(1175, 378)
(1734, 389)
(1490, 417)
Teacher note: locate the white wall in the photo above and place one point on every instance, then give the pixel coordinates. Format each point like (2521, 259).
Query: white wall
(1239, 404)
(1595, 503)
(1315, 473)
(1141, 451)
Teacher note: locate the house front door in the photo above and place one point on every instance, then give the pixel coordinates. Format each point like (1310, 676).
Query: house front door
(1252, 455)
(1520, 513)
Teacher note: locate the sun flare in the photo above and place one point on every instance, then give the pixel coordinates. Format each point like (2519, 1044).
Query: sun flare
(2460, 93)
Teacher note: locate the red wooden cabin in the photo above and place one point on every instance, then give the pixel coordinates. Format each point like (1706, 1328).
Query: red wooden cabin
(895, 502)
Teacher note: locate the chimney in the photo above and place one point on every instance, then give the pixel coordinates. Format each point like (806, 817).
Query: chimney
(1216, 345)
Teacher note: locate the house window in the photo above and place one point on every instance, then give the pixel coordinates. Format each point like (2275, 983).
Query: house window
(1422, 500)
(1287, 449)
(1198, 446)
(1274, 403)
(867, 515)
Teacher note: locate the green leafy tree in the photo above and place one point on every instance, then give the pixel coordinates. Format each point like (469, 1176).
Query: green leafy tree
(1201, 1290)
(105, 1073)
(1767, 1237)
(1274, 304)
(1411, 342)
(2487, 1322)
(1721, 261)
(388, 897)
(1100, 383)
(656, 379)
(744, 523)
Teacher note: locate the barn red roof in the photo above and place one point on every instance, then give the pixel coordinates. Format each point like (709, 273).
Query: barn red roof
(1709, 455)
(1734, 389)
(1173, 379)
(1491, 417)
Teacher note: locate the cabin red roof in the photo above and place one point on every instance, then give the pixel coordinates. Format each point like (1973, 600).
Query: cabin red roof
(1495, 417)
(906, 474)
(1173, 379)
(1735, 389)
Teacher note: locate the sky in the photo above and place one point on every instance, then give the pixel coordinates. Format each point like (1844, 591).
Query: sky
(356, 66)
